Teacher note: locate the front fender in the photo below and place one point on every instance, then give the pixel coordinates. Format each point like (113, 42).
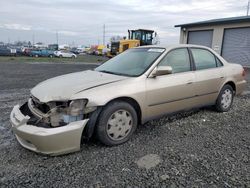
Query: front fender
(101, 95)
(133, 88)
(90, 127)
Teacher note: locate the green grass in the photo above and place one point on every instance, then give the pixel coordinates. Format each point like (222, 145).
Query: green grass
(80, 58)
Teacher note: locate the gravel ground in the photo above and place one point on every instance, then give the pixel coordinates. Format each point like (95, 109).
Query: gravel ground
(201, 148)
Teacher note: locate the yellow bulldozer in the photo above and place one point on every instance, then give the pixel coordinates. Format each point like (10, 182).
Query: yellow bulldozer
(139, 37)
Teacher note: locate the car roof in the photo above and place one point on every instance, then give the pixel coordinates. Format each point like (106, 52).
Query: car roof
(173, 46)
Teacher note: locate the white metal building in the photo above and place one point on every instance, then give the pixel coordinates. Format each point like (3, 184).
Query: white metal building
(230, 37)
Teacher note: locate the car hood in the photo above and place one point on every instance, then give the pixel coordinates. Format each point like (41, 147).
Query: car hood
(63, 87)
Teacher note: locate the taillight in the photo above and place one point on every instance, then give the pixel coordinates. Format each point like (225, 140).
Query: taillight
(244, 72)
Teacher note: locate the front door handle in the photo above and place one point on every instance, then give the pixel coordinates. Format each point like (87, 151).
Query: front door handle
(189, 82)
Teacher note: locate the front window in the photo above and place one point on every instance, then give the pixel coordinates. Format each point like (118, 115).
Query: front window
(132, 62)
(178, 59)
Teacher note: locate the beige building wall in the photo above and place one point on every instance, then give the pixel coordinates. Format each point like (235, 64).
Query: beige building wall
(218, 32)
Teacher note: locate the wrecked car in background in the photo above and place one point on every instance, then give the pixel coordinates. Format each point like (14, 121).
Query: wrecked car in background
(64, 53)
(6, 51)
(41, 53)
(132, 88)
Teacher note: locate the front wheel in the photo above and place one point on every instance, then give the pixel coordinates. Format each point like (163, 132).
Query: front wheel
(116, 124)
(225, 99)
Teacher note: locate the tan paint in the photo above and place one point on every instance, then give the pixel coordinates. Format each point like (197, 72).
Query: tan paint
(155, 95)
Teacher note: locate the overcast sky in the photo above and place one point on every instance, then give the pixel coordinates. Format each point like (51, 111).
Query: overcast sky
(81, 21)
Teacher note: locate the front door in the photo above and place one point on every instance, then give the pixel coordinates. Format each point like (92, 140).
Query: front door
(172, 92)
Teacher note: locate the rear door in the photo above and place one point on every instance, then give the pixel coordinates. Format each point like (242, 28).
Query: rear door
(64, 54)
(209, 76)
(43, 53)
(68, 54)
(172, 92)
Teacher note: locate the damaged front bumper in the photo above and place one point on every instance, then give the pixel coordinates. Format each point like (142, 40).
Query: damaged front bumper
(51, 141)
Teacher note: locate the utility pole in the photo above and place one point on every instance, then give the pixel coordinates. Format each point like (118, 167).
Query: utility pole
(57, 37)
(33, 39)
(248, 5)
(103, 35)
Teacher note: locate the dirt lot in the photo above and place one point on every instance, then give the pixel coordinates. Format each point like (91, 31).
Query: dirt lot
(79, 58)
(201, 148)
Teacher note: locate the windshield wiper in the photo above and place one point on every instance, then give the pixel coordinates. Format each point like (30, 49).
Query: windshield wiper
(115, 73)
(109, 72)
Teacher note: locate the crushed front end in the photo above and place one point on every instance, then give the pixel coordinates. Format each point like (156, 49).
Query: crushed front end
(50, 128)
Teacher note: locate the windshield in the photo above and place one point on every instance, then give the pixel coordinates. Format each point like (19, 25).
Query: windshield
(132, 62)
(136, 35)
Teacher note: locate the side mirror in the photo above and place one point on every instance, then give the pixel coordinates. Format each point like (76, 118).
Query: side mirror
(161, 70)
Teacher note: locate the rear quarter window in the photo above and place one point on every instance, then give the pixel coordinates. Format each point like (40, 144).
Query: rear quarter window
(218, 62)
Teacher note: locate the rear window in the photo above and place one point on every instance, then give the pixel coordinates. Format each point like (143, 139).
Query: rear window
(203, 59)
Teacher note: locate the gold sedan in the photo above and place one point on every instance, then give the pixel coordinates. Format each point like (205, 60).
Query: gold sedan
(132, 88)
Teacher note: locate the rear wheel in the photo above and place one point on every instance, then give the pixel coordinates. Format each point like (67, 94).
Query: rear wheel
(116, 124)
(60, 56)
(225, 99)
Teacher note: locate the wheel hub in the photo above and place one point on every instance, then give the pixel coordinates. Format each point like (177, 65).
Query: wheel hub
(119, 125)
(226, 98)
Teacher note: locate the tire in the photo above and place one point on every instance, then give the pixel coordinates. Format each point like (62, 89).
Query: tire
(116, 123)
(225, 99)
(36, 55)
(73, 57)
(50, 56)
(60, 56)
